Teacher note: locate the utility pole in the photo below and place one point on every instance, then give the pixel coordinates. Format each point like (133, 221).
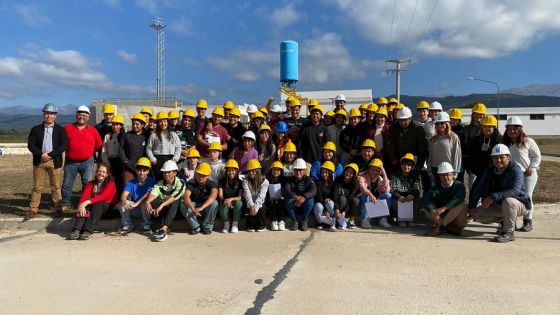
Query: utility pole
(159, 25)
(397, 70)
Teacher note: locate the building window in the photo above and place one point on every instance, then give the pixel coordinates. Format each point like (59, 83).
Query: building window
(536, 117)
(502, 117)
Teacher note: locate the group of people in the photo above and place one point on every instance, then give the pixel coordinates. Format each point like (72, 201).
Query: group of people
(332, 165)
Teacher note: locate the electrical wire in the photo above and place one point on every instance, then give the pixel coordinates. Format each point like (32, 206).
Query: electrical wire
(391, 31)
(410, 24)
(425, 27)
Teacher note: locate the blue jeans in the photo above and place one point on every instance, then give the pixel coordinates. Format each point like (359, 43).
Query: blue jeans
(71, 170)
(306, 208)
(319, 208)
(137, 212)
(208, 215)
(365, 198)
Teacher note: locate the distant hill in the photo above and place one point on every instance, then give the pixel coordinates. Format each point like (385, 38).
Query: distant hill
(537, 89)
(23, 122)
(506, 100)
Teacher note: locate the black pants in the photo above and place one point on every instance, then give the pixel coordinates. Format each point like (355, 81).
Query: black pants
(350, 206)
(257, 221)
(275, 209)
(426, 180)
(96, 211)
(117, 169)
(167, 214)
(158, 175)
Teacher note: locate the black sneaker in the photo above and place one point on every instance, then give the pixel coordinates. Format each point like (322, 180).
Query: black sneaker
(207, 231)
(504, 237)
(294, 226)
(194, 231)
(74, 235)
(160, 235)
(304, 226)
(146, 230)
(85, 236)
(527, 225)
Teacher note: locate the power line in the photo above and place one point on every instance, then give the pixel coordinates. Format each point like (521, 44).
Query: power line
(425, 27)
(391, 31)
(410, 24)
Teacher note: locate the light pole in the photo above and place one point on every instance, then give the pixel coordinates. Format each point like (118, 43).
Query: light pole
(497, 95)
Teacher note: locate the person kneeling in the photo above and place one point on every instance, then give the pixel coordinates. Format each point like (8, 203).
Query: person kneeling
(445, 202)
(255, 188)
(502, 194)
(200, 200)
(165, 199)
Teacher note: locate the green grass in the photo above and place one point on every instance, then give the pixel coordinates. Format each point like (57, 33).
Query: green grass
(13, 138)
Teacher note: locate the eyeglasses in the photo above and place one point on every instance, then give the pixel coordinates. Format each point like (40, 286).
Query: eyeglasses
(82, 115)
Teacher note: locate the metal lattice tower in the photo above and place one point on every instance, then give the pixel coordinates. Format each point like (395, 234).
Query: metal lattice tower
(159, 25)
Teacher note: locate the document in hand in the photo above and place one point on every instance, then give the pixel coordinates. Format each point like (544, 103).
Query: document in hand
(405, 211)
(275, 191)
(377, 209)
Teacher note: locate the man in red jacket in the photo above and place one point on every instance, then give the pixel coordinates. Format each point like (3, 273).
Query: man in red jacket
(83, 141)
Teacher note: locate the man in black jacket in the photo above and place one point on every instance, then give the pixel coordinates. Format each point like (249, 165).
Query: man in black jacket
(46, 142)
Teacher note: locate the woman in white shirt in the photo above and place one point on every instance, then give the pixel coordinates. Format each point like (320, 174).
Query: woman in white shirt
(525, 152)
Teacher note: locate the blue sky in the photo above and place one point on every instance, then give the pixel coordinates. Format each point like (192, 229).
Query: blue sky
(70, 52)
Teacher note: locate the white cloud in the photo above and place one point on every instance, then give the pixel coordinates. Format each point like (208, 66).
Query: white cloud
(244, 65)
(127, 57)
(182, 27)
(31, 16)
(148, 5)
(212, 93)
(113, 3)
(459, 28)
(284, 16)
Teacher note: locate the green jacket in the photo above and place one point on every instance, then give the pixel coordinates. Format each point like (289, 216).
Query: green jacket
(438, 196)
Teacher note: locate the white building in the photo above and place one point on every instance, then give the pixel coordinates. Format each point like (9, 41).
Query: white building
(354, 98)
(537, 121)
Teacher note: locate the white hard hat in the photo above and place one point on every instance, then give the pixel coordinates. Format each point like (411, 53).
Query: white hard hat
(249, 134)
(404, 113)
(442, 117)
(252, 108)
(444, 168)
(500, 149)
(83, 109)
(514, 121)
(276, 108)
(435, 106)
(169, 166)
(300, 164)
(340, 97)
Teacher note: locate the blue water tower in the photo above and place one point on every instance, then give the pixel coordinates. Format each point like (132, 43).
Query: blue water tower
(288, 63)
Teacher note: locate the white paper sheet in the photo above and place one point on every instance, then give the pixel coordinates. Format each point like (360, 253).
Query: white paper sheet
(213, 139)
(405, 211)
(378, 209)
(275, 191)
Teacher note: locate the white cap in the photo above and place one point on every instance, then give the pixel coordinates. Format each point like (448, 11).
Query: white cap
(514, 121)
(252, 108)
(276, 108)
(169, 166)
(300, 164)
(404, 113)
(442, 117)
(435, 106)
(444, 168)
(249, 134)
(83, 109)
(340, 97)
(500, 149)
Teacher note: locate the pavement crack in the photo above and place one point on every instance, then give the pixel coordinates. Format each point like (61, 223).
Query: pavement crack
(267, 293)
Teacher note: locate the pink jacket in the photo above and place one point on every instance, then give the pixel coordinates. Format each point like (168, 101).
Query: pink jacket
(383, 185)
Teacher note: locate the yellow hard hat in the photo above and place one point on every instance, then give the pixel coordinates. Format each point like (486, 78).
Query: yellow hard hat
(204, 169)
(330, 113)
(376, 163)
(329, 166)
(218, 111)
(479, 108)
(189, 113)
(368, 143)
(318, 107)
(353, 166)
(391, 108)
(147, 110)
(372, 107)
(422, 105)
(382, 111)
(313, 102)
(399, 106)
(290, 147)
(408, 156)
(108, 109)
(341, 112)
(215, 146)
(364, 106)
(290, 98)
(144, 161)
(140, 117)
(329, 145)
(173, 114)
(382, 101)
(201, 103)
(355, 112)
(264, 127)
(264, 111)
(489, 120)
(295, 102)
(455, 113)
(162, 115)
(235, 112)
(193, 153)
(277, 164)
(253, 165)
(229, 105)
(393, 100)
(232, 164)
(119, 119)
(258, 114)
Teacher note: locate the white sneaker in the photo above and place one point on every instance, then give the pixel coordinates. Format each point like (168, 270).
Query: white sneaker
(226, 227)
(261, 230)
(332, 228)
(274, 226)
(250, 230)
(281, 225)
(234, 227)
